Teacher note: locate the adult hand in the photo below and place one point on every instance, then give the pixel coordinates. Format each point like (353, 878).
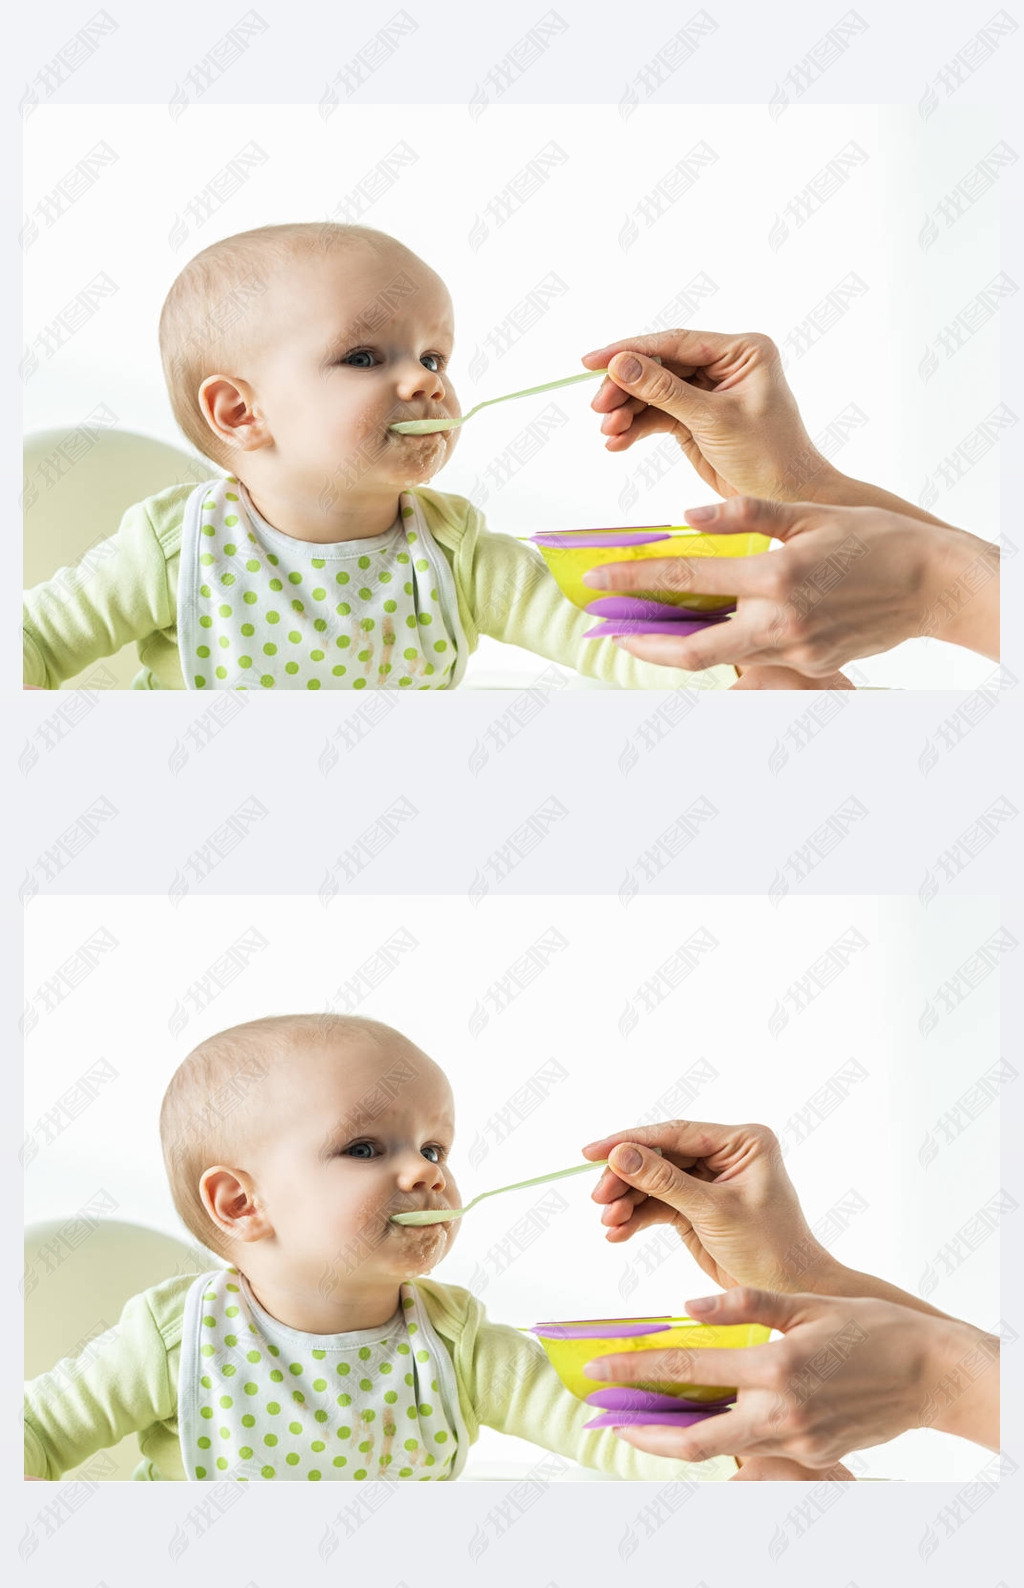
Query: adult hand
(725, 400)
(850, 1373)
(726, 1192)
(849, 582)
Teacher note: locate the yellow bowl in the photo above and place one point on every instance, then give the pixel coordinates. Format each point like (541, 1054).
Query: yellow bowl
(569, 560)
(568, 1356)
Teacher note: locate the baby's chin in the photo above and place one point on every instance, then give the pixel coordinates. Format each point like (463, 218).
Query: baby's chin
(419, 1248)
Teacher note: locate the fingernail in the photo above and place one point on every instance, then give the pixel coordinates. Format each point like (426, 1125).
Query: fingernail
(700, 515)
(594, 1369)
(704, 1304)
(624, 367)
(628, 1159)
(596, 578)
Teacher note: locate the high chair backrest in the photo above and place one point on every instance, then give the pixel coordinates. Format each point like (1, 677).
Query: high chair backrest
(78, 483)
(79, 1272)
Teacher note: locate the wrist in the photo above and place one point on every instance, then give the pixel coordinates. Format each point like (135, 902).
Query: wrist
(809, 1267)
(958, 1381)
(960, 590)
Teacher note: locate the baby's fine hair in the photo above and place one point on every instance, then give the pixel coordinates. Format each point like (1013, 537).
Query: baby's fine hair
(216, 1107)
(212, 315)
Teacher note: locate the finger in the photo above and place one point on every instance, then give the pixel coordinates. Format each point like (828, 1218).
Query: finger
(645, 1215)
(649, 1171)
(681, 1139)
(720, 644)
(695, 348)
(730, 1434)
(623, 417)
(740, 514)
(748, 1367)
(692, 574)
(651, 422)
(744, 1304)
(657, 385)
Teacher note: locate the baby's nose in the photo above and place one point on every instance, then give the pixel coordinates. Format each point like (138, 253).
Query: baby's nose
(415, 380)
(418, 1173)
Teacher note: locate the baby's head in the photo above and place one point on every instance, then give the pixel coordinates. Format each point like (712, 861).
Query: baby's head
(288, 351)
(290, 1141)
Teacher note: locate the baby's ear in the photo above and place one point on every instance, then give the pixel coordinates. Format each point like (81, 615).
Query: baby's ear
(230, 1199)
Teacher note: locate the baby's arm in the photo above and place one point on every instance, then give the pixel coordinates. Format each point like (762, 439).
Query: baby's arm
(118, 592)
(516, 1390)
(119, 1384)
(515, 599)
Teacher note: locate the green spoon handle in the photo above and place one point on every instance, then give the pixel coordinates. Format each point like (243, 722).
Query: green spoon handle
(541, 1179)
(535, 391)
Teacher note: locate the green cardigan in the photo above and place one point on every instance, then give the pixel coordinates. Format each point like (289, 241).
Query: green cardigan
(127, 1382)
(125, 589)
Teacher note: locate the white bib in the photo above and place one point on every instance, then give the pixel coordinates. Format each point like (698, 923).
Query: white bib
(257, 1399)
(257, 608)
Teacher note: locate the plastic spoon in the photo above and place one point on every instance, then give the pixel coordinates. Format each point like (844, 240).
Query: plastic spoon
(446, 1215)
(426, 427)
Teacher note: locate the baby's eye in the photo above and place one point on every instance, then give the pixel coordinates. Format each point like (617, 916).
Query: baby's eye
(435, 365)
(360, 353)
(360, 1149)
(437, 1151)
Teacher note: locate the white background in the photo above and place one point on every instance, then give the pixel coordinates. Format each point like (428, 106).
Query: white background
(140, 222)
(623, 1053)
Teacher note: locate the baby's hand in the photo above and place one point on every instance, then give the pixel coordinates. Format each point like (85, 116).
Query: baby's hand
(779, 1469)
(765, 677)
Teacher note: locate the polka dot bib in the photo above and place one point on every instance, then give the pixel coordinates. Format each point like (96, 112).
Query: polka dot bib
(258, 609)
(257, 1399)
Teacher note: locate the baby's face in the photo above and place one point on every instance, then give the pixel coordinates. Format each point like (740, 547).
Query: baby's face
(358, 1132)
(354, 342)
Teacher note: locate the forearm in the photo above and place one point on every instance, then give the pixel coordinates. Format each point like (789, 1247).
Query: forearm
(829, 488)
(829, 1278)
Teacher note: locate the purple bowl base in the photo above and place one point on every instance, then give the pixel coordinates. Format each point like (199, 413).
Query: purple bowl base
(652, 1419)
(627, 1398)
(679, 627)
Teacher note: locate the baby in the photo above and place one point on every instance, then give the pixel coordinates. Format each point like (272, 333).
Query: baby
(319, 558)
(319, 1350)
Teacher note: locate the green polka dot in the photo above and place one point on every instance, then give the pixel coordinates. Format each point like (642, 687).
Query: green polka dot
(364, 562)
(407, 588)
(267, 1472)
(409, 1378)
(226, 1402)
(441, 1438)
(391, 606)
(425, 617)
(273, 1407)
(275, 1350)
(231, 1339)
(204, 590)
(248, 629)
(391, 1396)
(359, 683)
(403, 1349)
(231, 1312)
(405, 1472)
(295, 1367)
(207, 1350)
(231, 520)
(275, 584)
(320, 625)
(341, 578)
(228, 1370)
(321, 1416)
(203, 651)
(366, 624)
(295, 578)
(267, 681)
(206, 622)
(206, 1411)
(344, 1433)
(248, 1421)
(270, 649)
(343, 1368)
(319, 593)
(361, 1473)
(208, 529)
(411, 1444)
(253, 1356)
(422, 564)
(295, 1428)
(245, 1452)
(440, 645)
(403, 683)
(343, 642)
(343, 609)
(344, 1400)
(245, 661)
(206, 1382)
(366, 1446)
(230, 548)
(252, 565)
(385, 1367)
(200, 1472)
(289, 667)
(313, 1476)
(273, 558)
(249, 598)
(270, 1439)
(297, 606)
(314, 683)
(338, 671)
(410, 622)
(273, 617)
(340, 1461)
(426, 1410)
(365, 1384)
(364, 656)
(206, 559)
(403, 556)
(223, 642)
(294, 636)
(235, 1289)
(316, 656)
(251, 1389)
(203, 1442)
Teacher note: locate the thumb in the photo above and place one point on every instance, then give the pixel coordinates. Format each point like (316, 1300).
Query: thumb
(646, 1170)
(654, 384)
(743, 1304)
(780, 520)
